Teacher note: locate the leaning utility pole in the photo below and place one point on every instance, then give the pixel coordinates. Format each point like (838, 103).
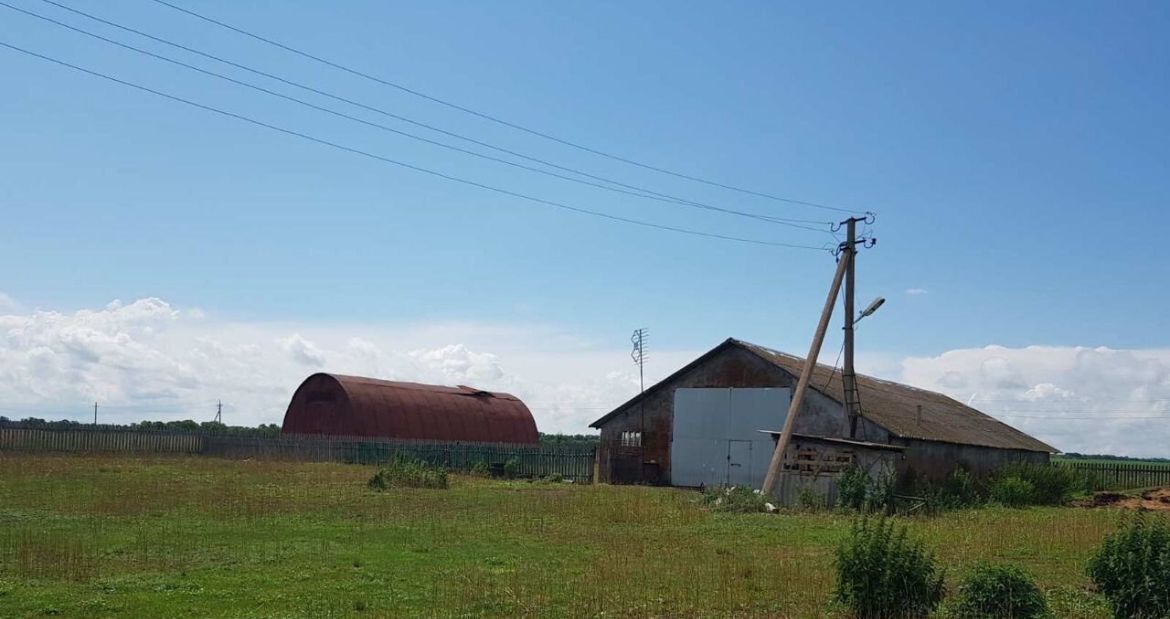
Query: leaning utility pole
(814, 351)
(846, 254)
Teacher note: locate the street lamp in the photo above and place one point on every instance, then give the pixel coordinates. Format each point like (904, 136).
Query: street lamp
(873, 307)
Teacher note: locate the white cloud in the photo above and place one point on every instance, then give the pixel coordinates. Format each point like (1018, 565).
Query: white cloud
(916, 291)
(302, 351)
(1097, 400)
(7, 303)
(148, 360)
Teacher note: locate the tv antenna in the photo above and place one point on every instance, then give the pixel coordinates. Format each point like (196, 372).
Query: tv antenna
(638, 354)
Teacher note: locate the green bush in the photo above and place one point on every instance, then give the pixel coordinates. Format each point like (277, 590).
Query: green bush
(811, 500)
(481, 469)
(408, 473)
(858, 491)
(512, 468)
(993, 591)
(1132, 568)
(738, 499)
(881, 574)
(960, 490)
(852, 488)
(1051, 485)
(1012, 491)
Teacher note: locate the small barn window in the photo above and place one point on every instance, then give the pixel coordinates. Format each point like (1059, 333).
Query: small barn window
(631, 439)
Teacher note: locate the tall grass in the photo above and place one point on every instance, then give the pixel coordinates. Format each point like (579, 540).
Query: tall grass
(405, 472)
(160, 536)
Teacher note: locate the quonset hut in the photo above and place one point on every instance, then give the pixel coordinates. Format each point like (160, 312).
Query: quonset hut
(339, 405)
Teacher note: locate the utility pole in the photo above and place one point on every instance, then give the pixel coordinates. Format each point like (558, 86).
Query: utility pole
(219, 411)
(848, 375)
(846, 254)
(814, 351)
(95, 413)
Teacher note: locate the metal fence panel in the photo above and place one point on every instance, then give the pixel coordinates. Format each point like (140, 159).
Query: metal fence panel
(572, 462)
(1122, 475)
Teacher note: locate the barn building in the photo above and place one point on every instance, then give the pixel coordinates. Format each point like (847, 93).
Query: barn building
(338, 405)
(715, 420)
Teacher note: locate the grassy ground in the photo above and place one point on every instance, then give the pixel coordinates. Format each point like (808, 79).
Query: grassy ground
(104, 536)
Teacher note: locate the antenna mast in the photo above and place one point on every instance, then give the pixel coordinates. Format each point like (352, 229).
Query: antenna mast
(638, 354)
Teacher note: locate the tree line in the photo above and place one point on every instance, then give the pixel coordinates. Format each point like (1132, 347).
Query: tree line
(212, 427)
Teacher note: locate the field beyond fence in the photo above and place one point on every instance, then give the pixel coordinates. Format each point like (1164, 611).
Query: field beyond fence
(570, 462)
(1121, 475)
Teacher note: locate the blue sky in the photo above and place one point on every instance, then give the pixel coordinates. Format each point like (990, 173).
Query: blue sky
(1016, 156)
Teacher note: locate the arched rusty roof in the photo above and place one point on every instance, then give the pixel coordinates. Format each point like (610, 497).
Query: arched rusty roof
(356, 406)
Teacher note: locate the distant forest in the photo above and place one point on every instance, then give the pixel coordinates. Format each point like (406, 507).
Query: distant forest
(1077, 456)
(211, 427)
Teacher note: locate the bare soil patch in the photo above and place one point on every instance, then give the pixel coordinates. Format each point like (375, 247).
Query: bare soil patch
(1156, 499)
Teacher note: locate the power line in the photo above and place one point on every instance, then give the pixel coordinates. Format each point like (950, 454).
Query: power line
(377, 157)
(1153, 401)
(836, 366)
(491, 118)
(1095, 417)
(633, 190)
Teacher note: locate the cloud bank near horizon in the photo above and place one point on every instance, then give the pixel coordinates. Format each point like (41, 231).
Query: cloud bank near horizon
(149, 360)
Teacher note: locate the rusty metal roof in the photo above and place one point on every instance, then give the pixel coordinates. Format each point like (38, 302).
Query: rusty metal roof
(357, 406)
(904, 411)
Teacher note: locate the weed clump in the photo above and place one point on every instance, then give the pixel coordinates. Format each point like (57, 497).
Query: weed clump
(1050, 485)
(1012, 491)
(1132, 568)
(736, 499)
(993, 591)
(960, 490)
(852, 488)
(882, 574)
(408, 473)
(858, 490)
(512, 469)
(480, 469)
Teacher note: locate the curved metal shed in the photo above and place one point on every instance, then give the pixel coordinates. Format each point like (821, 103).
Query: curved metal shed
(356, 406)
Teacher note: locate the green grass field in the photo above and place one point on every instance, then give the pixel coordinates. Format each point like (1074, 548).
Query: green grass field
(188, 537)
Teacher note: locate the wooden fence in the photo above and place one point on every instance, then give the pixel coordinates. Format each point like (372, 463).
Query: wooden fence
(573, 462)
(1122, 475)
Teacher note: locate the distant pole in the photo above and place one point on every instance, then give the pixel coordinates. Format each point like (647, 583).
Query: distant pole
(639, 356)
(219, 411)
(814, 351)
(95, 413)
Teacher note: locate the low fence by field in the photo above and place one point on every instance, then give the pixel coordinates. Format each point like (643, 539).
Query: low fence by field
(573, 462)
(1121, 475)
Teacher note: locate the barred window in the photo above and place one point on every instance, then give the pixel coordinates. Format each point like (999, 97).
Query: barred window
(631, 439)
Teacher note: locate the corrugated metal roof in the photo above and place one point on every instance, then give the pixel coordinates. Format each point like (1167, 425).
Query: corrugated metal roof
(358, 406)
(839, 441)
(893, 406)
